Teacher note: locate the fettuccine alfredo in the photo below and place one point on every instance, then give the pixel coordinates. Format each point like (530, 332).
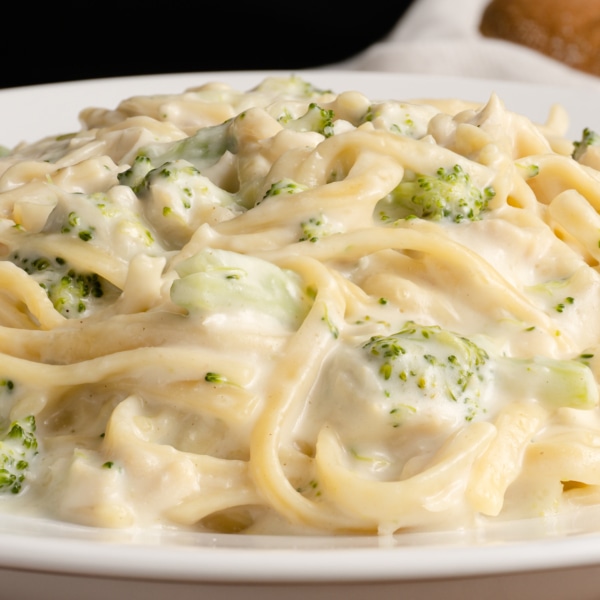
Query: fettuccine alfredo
(294, 310)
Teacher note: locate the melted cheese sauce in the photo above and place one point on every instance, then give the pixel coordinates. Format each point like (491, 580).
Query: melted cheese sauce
(204, 305)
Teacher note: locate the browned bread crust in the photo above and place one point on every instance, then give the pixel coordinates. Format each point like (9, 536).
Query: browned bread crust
(565, 30)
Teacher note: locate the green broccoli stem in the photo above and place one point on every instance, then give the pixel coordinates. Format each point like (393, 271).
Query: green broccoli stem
(555, 383)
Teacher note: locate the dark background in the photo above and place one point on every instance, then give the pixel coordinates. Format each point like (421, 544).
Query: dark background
(65, 41)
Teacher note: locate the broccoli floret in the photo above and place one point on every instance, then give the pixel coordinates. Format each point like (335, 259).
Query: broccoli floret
(403, 118)
(202, 150)
(317, 119)
(421, 362)
(189, 182)
(72, 293)
(284, 186)
(588, 138)
(292, 86)
(315, 228)
(208, 144)
(528, 171)
(448, 195)
(134, 176)
(75, 226)
(183, 190)
(177, 199)
(110, 219)
(18, 447)
(430, 372)
(220, 280)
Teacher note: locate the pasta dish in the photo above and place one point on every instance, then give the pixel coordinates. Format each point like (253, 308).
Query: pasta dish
(291, 310)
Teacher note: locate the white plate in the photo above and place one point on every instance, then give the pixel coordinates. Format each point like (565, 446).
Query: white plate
(556, 560)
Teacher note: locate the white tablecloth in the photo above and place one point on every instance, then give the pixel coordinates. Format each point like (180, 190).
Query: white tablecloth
(442, 37)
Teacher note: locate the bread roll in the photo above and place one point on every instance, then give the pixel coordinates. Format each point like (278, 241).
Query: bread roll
(568, 31)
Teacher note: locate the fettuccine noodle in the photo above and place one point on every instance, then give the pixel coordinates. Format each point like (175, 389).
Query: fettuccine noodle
(289, 310)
